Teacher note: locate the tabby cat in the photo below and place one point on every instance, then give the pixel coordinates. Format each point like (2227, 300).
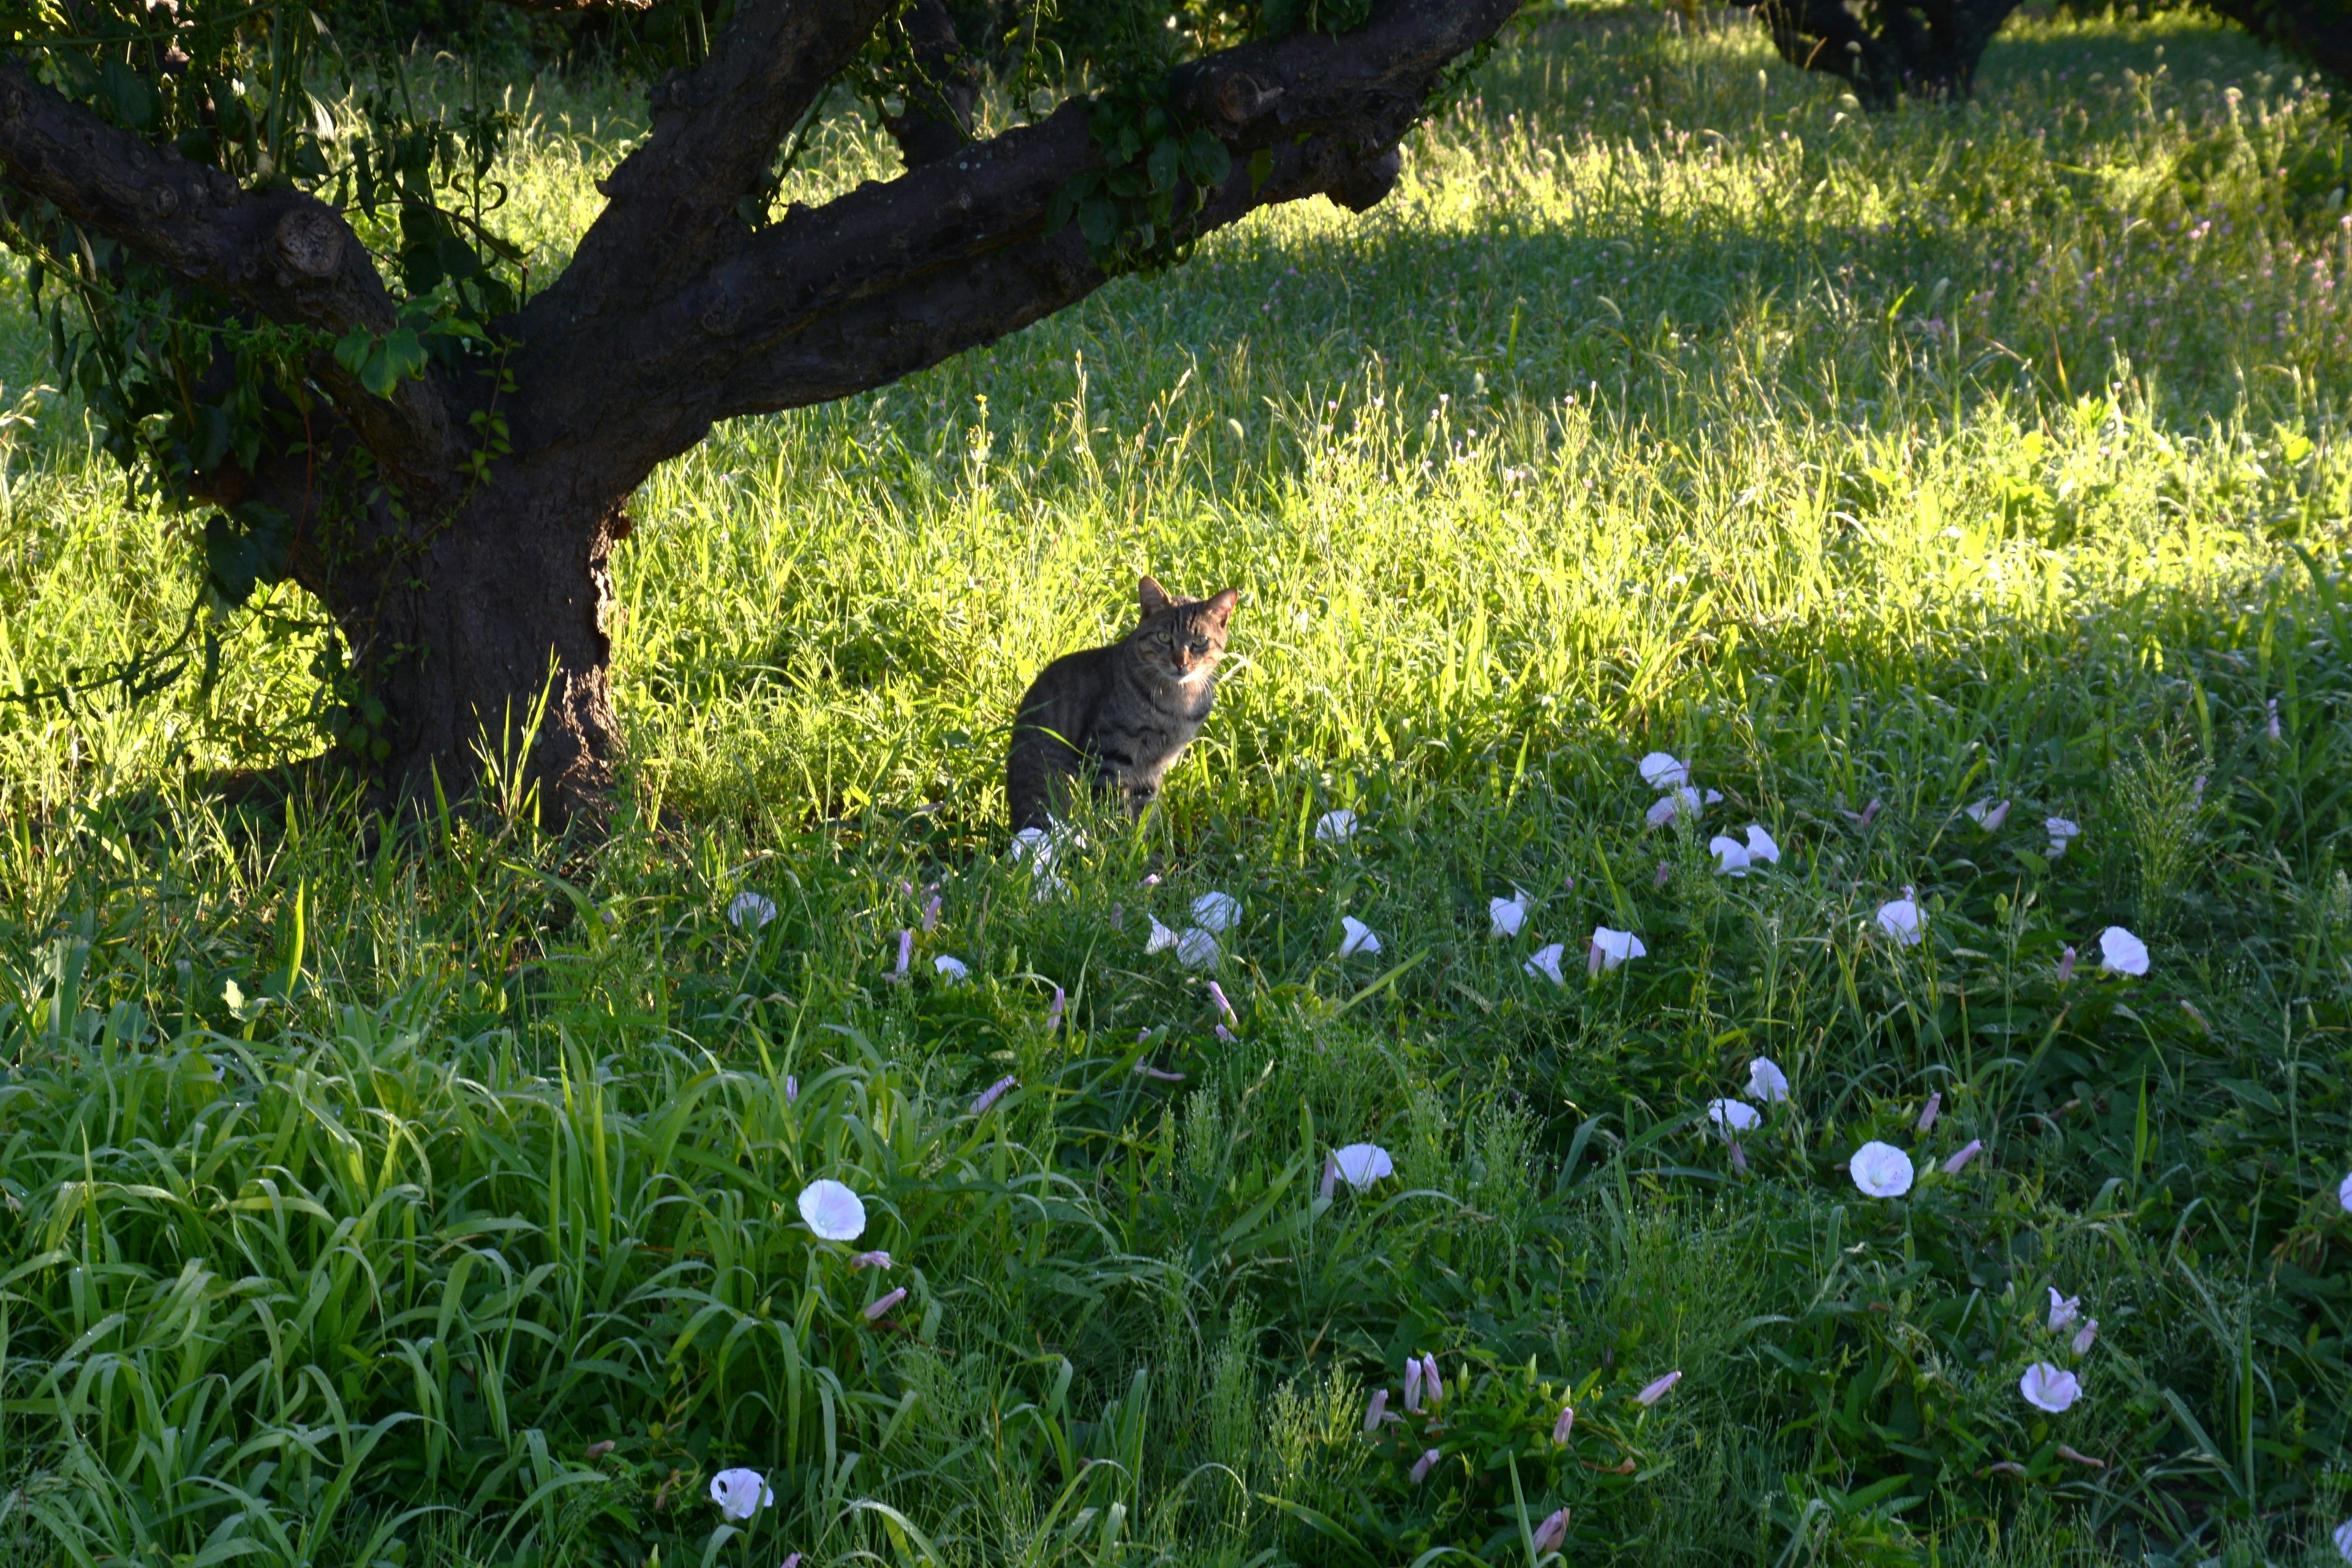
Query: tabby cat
(1118, 718)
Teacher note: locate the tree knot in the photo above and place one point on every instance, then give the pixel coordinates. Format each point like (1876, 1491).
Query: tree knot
(310, 242)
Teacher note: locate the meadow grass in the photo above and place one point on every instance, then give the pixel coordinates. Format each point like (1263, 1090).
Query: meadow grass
(425, 1191)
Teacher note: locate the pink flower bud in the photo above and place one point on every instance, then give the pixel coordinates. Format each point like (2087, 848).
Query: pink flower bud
(1959, 1161)
(1434, 1383)
(1413, 1376)
(1054, 1014)
(791, 1562)
(2086, 1336)
(1376, 1412)
(2005, 1468)
(993, 1093)
(1564, 1426)
(2065, 966)
(876, 1310)
(1552, 1532)
(791, 1089)
(2274, 723)
(1935, 1108)
(1423, 1466)
(1224, 1033)
(870, 1260)
(1330, 1177)
(1657, 1391)
(1665, 870)
(931, 915)
(1217, 994)
(1592, 960)
(906, 954)
(1739, 1158)
(2066, 1451)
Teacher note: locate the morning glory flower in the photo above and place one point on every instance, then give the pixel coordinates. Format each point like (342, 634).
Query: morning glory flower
(1036, 846)
(954, 971)
(1376, 1411)
(1762, 849)
(1413, 1376)
(2061, 832)
(876, 1310)
(1988, 816)
(1735, 1114)
(832, 1211)
(740, 1494)
(1053, 1012)
(906, 952)
(870, 1260)
(1616, 947)
(1431, 1382)
(1217, 995)
(1545, 965)
(2344, 1540)
(1766, 1080)
(1362, 1164)
(1562, 1428)
(1423, 1466)
(1959, 1161)
(1358, 937)
(1658, 1389)
(993, 1093)
(2066, 965)
(2344, 1192)
(1552, 1532)
(2064, 1310)
(1900, 920)
(1196, 949)
(1929, 1111)
(1335, 827)
(1506, 916)
(1880, 1170)
(1730, 855)
(750, 909)
(2120, 952)
(2050, 1388)
(1162, 938)
(1215, 911)
(931, 915)
(2086, 1336)
(1679, 801)
(1661, 770)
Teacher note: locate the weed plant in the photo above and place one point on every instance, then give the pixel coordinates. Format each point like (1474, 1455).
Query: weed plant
(428, 1192)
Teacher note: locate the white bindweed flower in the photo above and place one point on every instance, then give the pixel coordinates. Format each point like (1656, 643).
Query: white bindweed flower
(954, 971)
(1766, 1080)
(2344, 1192)
(1763, 850)
(2085, 1337)
(1506, 916)
(1356, 937)
(1880, 1170)
(2343, 1538)
(1679, 801)
(1735, 1114)
(1552, 1533)
(750, 909)
(1545, 965)
(1036, 846)
(1362, 1164)
(1959, 1161)
(832, 1211)
(2120, 952)
(1335, 827)
(870, 1260)
(1988, 816)
(2061, 832)
(1216, 911)
(993, 1093)
(1661, 770)
(1616, 947)
(2050, 1388)
(2064, 1310)
(1658, 1389)
(1730, 855)
(1196, 949)
(1900, 920)
(1162, 938)
(740, 1494)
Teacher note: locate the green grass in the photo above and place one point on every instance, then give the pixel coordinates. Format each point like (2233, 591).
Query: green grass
(360, 1183)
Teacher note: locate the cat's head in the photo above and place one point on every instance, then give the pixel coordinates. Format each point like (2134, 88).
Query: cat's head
(1181, 641)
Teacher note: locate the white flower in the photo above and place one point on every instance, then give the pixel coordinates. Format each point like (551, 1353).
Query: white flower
(2064, 1310)
(754, 910)
(1675, 802)
(1335, 827)
(2120, 952)
(740, 1494)
(1358, 937)
(870, 1260)
(832, 1211)
(2086, 1336)
(2344, 1540)
(1545, 965)
(1900, 920)
(1735, 1114)
(1660, 769)
(2050, 1388)
(1761, 847)
(1216, 911)
(1617, 947)
(1362, 1164)
(1766, 1080)
(2061, 832)
(1730, 855)
(954, 971)
(1507, 915)
(1036, 846)
(1880, 1170)
(1161, 939)
(1988, 816)
(2344, 1192)
(1196, 949)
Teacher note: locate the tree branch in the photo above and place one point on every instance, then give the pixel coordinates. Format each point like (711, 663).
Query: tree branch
(936, 123)
(283, 254)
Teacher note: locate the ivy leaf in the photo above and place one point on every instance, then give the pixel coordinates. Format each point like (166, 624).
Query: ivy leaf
(1162, 164)
(351, 350)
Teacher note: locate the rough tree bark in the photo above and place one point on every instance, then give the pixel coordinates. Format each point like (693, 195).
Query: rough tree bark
(471, 599)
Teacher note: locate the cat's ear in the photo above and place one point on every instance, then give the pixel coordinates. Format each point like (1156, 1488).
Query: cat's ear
(1153, 596)
(1221, 608)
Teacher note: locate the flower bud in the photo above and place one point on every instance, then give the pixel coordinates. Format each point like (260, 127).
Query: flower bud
(877, 1310)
